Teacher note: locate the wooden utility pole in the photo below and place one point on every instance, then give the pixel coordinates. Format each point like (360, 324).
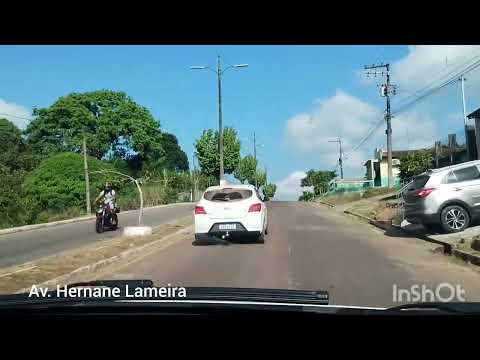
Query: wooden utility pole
(386, 90)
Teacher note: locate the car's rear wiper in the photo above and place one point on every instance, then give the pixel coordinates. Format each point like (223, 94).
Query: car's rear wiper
(446, 307)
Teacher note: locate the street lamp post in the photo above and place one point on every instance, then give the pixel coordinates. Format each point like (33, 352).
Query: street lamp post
(219, 72)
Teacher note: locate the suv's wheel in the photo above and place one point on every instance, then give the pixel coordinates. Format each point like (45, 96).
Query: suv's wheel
(454, 218)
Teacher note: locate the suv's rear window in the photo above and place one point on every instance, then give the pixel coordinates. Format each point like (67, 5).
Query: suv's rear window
(419, 182)
(468, 173)
(228, 194)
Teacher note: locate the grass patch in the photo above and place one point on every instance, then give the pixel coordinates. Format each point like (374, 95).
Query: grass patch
(15, 278)
(377, 210)
(341, 198)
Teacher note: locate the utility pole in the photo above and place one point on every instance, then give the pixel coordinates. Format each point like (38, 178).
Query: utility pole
(195, 179)
(220, 119)
(87, 179)
(255, 157)
(219, 72)
(340, 159)
(462, 80)
(385, 91)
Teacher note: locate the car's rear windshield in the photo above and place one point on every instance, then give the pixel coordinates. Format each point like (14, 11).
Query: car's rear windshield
(419, 182)
(228, 194)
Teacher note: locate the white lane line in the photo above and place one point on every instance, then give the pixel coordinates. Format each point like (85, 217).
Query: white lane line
(15, 272)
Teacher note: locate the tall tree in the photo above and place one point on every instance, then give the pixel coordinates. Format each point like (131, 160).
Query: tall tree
(414, 164)
(113, 123)
(318, 179)
(15, 161)
(246, 169)
(208, 156)
(269, 190)
(174, 158)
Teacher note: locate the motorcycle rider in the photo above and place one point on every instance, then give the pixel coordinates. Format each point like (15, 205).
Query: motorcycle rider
(109, 200)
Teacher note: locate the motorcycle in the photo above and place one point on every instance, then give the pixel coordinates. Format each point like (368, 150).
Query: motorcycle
(106, 218)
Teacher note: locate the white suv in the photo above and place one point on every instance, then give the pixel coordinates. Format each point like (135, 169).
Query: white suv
(230, 211)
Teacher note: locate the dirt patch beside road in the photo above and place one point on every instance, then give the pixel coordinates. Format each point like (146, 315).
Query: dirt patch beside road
(15, 278)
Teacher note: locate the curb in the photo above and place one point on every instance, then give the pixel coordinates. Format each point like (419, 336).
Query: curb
(381, 224)
(358, 215)
(82, 271)
(447, 246)
(74, 220)
(325, 203)
(466, 256)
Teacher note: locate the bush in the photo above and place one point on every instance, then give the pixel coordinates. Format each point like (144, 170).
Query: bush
(415, 164)
(58, 183)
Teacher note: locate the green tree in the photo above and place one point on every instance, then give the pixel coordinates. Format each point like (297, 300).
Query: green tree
(174, 158)
(11, 145)
(269, 190)
(318, 179)
(208, 156)
(114, 125)
(58, 183)
(414, 164)
(15, 161)
(245, 170)
(261, 178)
(306, 196)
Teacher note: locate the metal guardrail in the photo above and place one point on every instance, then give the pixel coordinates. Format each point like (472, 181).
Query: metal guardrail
(399, 197)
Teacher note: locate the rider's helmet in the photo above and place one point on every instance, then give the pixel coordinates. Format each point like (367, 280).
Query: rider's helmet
(108, 186)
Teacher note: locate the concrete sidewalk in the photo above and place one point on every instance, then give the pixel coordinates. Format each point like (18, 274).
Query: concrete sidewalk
(456, 244)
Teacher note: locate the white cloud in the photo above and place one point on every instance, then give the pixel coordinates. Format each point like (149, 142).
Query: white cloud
(427, 63)
(15, 113)
(350, 118)
(289, 188)
(341, 115)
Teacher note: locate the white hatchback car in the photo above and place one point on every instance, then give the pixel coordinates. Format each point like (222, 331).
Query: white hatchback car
(231, 211)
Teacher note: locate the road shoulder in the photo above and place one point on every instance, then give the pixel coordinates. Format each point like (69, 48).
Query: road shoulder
(82, 263)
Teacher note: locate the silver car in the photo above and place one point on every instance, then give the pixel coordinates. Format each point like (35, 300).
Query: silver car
(449, 197)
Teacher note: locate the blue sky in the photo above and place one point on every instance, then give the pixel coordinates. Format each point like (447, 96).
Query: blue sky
(291, 96)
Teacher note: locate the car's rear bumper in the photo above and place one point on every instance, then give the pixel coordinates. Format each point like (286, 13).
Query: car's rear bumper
(248, 223)
(231, 235)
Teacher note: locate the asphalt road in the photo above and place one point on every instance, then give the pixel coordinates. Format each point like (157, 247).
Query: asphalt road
(18, 248)
(311, 247)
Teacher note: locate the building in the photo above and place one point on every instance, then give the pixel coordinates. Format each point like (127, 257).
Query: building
(450, 152)
(377, 168)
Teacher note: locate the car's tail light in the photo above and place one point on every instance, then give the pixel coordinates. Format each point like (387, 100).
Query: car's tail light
(255, 208)
(199, 210)
(424, 192)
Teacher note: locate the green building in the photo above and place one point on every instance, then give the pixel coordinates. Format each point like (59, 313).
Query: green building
(377, 168)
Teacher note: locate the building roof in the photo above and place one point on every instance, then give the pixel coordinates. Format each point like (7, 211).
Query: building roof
(475, 114)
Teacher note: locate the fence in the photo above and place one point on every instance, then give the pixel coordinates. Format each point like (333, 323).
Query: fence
(356, 185)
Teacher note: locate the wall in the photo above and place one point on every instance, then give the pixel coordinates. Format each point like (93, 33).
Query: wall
(384, 174)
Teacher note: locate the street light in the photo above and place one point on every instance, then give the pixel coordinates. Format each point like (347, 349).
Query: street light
(219, 72)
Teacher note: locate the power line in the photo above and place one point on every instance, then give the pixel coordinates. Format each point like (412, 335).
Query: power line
(430, 89)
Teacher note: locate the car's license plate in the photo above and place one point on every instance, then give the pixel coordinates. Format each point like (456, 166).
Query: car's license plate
(227, 226)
